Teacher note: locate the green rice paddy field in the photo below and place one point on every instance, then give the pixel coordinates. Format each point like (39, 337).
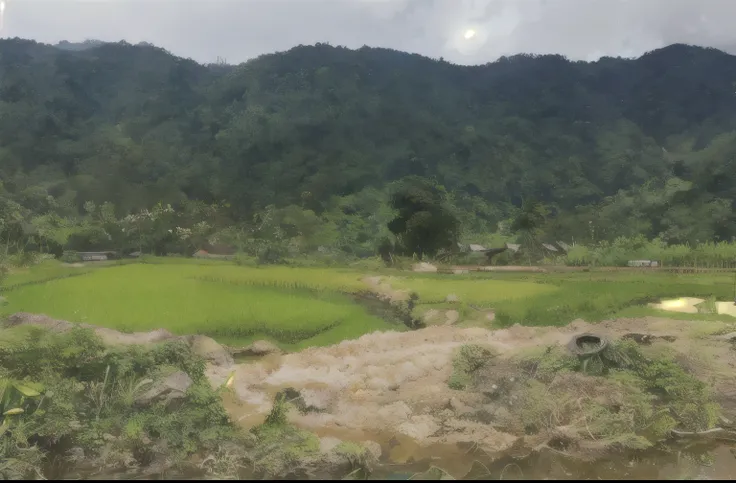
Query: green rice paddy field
(301, 307)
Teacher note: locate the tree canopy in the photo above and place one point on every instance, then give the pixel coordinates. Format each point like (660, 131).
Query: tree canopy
(607, 148)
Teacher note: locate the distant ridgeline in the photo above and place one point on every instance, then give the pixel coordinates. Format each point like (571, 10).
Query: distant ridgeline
(610, 148)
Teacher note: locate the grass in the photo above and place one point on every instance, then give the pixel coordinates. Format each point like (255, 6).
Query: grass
(554, 299)
(293, 307)
(44, 272)
(596, 296)
(298, 307)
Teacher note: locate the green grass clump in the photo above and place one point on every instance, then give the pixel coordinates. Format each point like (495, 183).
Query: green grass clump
(469, 358)
(708, 306)
(294, 307)
(634, 403)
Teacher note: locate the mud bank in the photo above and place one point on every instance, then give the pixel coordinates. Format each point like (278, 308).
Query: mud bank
(389, 390)
(392, 388)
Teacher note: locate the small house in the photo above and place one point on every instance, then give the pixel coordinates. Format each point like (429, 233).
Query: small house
(642, 263)
(563, 246)
(97, 256)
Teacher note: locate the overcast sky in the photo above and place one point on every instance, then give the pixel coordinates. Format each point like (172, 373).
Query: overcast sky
(238, 30)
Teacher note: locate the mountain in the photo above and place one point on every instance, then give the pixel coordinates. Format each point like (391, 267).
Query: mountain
(135, 125)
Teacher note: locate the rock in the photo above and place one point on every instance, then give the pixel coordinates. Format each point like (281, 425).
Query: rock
(210, 350)
(373, 448)
(424, 267)
(452, 298)
(257, 349)
(419, 427)
(169, 389)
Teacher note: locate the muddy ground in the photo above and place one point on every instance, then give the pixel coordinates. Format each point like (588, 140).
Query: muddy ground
(391, 385)
(389, 390)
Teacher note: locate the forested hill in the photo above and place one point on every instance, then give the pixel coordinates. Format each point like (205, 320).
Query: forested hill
(135, 125)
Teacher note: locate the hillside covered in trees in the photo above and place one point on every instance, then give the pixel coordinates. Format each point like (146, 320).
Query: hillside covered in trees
(308, 143)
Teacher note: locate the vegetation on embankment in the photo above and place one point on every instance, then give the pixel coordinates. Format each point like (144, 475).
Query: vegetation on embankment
(67, 396)
(622, 397)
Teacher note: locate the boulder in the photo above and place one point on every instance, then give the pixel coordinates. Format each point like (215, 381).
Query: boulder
(168, 389)
(209, 350)
(257, 349)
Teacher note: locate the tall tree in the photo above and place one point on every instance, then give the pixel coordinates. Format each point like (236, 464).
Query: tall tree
(424, 224)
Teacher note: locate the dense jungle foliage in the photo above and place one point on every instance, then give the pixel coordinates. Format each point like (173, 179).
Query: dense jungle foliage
(112, 145)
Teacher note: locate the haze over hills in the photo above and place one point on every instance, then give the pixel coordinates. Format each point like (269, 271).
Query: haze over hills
(647, 145)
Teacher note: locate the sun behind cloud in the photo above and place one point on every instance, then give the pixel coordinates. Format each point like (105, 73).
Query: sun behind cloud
(469, 34)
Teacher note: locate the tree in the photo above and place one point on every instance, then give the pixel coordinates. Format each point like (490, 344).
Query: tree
(424, 224)
(528, 223)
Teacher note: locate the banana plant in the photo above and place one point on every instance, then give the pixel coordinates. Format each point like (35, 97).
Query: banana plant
(14, 398)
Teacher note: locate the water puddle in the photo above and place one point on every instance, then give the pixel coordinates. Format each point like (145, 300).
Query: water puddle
(714, 462)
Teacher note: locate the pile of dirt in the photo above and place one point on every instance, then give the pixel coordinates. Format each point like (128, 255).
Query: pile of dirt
(396, 383)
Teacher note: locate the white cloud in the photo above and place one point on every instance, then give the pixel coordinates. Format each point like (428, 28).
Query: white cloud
(242, 29)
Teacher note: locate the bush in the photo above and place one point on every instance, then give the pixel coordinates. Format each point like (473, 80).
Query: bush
(80, 392)
(618, 252)
(468, 360)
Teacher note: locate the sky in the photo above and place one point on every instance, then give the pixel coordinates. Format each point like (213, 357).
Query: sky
(238, 30)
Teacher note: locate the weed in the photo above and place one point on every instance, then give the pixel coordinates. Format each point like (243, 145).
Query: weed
(633, 401)
(468, 360)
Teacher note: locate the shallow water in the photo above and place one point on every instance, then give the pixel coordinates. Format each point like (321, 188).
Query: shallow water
(706, 462)
(405, 460)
